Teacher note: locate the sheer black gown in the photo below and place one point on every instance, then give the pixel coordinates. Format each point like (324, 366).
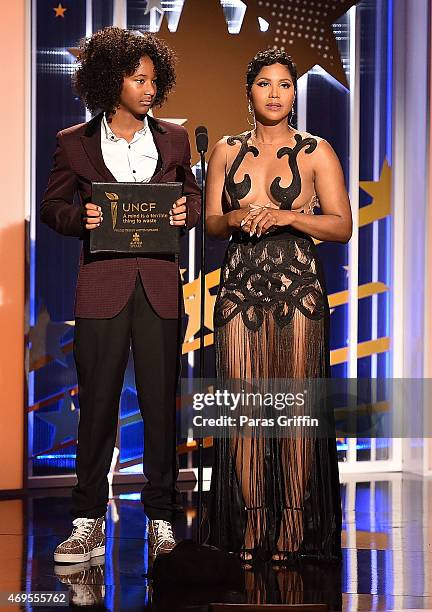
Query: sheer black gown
(271, 321)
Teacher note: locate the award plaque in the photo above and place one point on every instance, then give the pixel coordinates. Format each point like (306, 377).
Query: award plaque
(135, 218)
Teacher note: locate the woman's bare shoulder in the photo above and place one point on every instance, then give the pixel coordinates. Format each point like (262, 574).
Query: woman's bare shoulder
(307, 135)
(322, 152)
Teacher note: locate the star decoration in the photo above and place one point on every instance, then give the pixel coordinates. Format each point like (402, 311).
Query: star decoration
(304, 30)
(192, 300)
(59, 10)
(381, 197)
(64, 421)
(45, 339)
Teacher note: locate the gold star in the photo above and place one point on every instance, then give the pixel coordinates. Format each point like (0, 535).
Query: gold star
(59, 10)
(192, 300)
(381, 194)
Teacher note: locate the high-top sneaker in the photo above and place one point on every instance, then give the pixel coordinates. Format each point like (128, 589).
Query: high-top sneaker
(161, 537)
(86, 540)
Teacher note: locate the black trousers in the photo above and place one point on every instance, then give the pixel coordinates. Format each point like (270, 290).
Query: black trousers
(101, 351)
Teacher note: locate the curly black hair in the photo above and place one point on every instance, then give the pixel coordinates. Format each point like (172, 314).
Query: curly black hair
(268, 58)
(113, 53)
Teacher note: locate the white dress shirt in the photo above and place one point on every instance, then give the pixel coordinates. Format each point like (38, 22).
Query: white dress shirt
(133, 161)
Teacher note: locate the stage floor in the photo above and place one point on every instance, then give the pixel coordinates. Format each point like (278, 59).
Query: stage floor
(387, 553)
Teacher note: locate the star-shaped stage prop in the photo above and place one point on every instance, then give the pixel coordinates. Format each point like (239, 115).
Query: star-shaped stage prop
(192, 301)
(59, 10)
(381, 197)
(45, 339)
(63, 421)
(304, 30)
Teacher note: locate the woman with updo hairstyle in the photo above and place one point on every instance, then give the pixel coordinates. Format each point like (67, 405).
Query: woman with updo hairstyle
(272, 190)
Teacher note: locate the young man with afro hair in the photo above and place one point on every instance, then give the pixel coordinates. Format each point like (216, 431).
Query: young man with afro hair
(122, 301)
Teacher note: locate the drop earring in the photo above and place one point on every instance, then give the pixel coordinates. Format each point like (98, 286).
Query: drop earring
(291, 116)
(251, 114)
(292, 113)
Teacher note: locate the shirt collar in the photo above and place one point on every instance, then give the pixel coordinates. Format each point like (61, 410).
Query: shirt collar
(109, 134)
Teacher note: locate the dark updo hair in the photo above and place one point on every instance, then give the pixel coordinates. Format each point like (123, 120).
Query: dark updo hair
(268, 58)
(113, 53)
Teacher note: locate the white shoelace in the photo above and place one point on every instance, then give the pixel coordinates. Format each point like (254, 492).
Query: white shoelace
(82, 528)
(164, 530)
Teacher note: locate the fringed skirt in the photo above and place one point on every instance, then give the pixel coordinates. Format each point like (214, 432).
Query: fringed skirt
(271, 322)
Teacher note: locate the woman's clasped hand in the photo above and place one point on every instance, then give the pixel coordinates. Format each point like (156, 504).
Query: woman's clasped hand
(263, 218)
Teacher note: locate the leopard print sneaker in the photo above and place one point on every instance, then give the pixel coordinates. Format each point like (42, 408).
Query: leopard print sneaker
(86, 540)
(161, 537)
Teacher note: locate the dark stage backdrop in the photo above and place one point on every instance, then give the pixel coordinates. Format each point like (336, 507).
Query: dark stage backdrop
(214, 40)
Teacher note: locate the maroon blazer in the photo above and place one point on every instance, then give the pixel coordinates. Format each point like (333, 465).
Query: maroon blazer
(106, 281)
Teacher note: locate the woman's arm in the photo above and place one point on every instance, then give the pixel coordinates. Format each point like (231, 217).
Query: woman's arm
(335, 222)
(218, 224)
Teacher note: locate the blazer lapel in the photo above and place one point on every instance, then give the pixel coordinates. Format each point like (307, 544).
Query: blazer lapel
(161, 139)
(91, 142)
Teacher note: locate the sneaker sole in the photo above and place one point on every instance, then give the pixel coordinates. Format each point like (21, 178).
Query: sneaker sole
(79, 558)
(65, 571)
